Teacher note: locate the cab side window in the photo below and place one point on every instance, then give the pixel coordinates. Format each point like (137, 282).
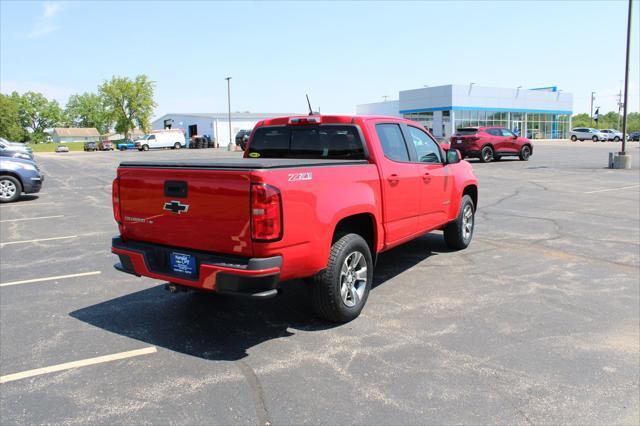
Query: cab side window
(427, 149)
(392, 142)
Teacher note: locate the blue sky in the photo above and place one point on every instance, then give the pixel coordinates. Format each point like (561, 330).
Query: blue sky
(340, 53)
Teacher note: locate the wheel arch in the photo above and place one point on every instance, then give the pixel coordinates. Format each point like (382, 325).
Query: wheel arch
(472, 191)
(12, 174)
(363, 224)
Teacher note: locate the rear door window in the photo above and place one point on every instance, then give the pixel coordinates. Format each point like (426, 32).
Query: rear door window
(392, 142)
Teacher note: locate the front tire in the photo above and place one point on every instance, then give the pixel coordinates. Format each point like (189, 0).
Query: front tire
(145, 147)
(616, 139)
(525, 153)
(10, 189)
(339, 292)
(486, 155)
(594, 138)
(574, 138)
(458, 234)
(176, 145)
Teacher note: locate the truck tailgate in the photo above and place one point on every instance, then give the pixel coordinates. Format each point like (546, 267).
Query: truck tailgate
(204, 209)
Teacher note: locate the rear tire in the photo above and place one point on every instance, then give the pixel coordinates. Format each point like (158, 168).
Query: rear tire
(525, 153)
(458, 234)
(176, 145)
(339, 292)
(486, 154)
(10, 189)
(574, 138)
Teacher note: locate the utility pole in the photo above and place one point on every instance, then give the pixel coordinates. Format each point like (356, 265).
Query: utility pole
(619, 107)
(229, 104)
(626, 83)
(591, 116)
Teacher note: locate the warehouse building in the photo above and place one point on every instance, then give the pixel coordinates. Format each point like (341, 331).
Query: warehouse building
(75, 134)
(540, 113)
(214, 125)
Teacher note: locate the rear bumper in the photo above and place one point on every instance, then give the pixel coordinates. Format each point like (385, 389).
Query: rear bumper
(255, 277)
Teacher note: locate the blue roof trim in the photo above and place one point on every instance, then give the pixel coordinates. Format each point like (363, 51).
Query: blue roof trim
(553, 88)
(465, 108)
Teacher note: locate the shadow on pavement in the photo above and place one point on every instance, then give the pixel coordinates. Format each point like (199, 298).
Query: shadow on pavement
(218, 327)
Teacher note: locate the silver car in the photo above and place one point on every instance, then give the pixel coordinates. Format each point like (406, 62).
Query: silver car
(612, 134)
(587, 133)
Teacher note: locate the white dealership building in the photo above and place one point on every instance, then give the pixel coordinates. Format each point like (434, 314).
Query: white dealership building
(539, 113)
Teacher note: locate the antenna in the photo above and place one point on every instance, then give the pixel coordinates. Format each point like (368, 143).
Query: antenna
(309, 103)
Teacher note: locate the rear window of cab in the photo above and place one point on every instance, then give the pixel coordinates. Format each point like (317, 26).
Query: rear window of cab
(318, 142)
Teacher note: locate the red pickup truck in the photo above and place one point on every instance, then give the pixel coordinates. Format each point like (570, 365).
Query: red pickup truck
(315, 197)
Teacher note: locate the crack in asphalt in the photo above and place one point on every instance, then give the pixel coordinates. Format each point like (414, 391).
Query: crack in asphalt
(258, 392)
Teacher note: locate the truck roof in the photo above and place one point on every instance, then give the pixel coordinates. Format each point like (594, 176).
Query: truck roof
(328, 119)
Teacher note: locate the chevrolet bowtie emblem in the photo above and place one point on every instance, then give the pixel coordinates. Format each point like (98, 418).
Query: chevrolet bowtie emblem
(176, 207)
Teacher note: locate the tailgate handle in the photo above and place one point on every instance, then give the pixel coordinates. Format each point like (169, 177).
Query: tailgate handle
(175, 188)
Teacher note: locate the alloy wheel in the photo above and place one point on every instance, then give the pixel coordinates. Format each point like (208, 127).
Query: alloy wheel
(353, 279)
(7, 189)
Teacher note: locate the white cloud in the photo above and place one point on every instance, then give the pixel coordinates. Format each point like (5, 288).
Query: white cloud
(45, 23)
(51, 9)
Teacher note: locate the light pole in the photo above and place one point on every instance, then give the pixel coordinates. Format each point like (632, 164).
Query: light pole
(626, 83)
(229, 105)
(591, 116)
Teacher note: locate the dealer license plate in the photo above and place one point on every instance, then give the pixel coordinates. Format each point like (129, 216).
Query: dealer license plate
(183, 263)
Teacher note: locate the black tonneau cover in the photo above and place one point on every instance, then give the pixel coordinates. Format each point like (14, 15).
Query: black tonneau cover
(241, 163)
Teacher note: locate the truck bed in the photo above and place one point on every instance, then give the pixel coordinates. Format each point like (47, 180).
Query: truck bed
(239, 164)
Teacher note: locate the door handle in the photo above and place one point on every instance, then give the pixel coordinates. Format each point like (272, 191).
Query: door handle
(393, 178)
(426, 177)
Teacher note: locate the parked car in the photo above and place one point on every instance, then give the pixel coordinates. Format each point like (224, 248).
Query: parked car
(15, 154)
(587, 133)
(126, 144)
(105, 146)
(242, 137)
(90, 146)
(633, 136)
(162, 139)
(18, 176)
(491, 143)
(241, 226)
(62, 148)
(15, 146)
(612, 134)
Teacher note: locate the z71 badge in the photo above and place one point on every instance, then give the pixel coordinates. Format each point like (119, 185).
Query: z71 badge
(295, 177)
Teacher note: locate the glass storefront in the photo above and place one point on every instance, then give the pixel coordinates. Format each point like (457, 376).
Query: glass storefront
(538, 126)
(424, 118)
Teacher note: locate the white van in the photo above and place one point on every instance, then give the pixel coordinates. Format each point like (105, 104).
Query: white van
(173, 138)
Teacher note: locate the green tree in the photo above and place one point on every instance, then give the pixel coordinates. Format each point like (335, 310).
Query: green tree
(129, 102)
(88, 110)
(10, 125)
(581, 120)
(37, 114)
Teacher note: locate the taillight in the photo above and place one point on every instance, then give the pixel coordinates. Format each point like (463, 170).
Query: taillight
(115, 199)
(266, 213)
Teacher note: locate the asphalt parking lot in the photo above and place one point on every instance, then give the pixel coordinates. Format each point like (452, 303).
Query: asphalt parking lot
(536, 322)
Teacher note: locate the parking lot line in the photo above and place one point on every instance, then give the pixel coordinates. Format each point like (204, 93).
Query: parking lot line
(59, 277)
(37, 241)
(76, 364)
(31, 218)
(6, 206)
(612, 189)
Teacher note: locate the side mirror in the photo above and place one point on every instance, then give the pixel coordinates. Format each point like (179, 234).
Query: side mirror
(453, 156)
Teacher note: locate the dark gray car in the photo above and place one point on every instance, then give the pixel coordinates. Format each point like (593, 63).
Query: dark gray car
(18, 176)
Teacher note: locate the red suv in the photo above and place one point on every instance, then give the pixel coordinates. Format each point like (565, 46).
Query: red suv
(490, 143)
